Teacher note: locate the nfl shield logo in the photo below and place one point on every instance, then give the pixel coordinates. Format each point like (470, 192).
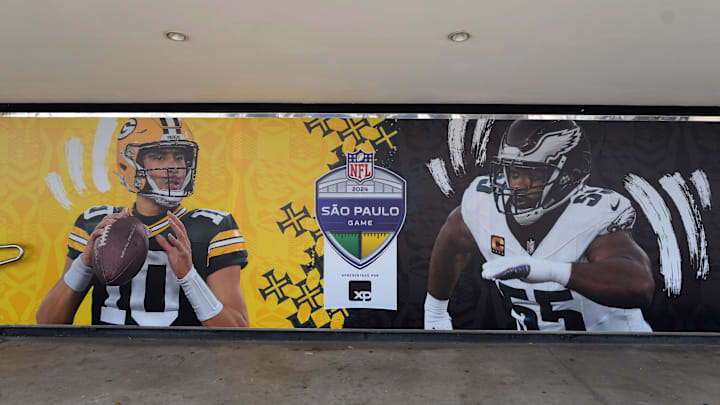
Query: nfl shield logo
(360, 221)
(531, 246)
(360, 166)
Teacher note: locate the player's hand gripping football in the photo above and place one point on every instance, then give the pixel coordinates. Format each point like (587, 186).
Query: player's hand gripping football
(527, 269)
(87, 255)
(177, 247)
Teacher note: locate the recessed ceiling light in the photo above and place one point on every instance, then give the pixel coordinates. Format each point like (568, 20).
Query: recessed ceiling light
(176, 36)
(459, 36)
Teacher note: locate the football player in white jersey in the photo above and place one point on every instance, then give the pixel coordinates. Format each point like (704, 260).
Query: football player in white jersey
(559, 251)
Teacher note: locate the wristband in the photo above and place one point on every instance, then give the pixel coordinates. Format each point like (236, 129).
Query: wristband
(436, 315)
(79, 275)
(435, 306)
(204, 302)
(560, 273)
(527, 269)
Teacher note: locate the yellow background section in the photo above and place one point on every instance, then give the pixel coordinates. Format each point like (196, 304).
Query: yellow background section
(249, 167)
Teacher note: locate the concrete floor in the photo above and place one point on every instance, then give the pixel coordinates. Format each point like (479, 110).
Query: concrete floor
(152, 371)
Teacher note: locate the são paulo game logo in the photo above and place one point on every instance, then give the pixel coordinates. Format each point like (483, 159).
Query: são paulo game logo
(360, 208)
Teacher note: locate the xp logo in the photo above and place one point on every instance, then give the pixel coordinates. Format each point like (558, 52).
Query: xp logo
(360, 208)
(360, 291)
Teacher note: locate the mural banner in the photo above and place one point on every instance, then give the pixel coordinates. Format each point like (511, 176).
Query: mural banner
(322, 222)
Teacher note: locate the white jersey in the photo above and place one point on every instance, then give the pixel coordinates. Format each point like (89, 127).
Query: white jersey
(551, 306)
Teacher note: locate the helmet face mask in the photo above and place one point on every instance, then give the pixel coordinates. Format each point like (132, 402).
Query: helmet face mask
(157, 158)
(532, 179)
(174, 181)
(540, 165)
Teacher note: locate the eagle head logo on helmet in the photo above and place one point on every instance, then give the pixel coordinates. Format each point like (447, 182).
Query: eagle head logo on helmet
(139, 137)
(553, 157)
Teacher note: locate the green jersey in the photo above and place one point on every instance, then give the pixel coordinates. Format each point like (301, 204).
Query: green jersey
(154, 297)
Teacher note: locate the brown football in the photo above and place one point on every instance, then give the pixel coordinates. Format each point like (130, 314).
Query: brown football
(120, 251)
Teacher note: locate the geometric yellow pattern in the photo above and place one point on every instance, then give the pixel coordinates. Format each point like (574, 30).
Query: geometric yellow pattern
(250, 167)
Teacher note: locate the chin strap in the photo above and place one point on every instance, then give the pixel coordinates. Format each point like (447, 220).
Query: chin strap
(165, 201)
(529, 218)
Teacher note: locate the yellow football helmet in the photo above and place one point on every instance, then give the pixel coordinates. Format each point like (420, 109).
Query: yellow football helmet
(138, 137)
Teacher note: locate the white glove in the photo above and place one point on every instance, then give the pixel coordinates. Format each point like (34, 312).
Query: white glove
(436, 314)
(527, 269)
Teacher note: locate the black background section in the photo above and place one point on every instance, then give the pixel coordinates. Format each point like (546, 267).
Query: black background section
(652, 150)
(648, 149)
(475, 303)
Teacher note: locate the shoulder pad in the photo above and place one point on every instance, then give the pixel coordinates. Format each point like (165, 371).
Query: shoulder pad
(477, 201)
(216, 217)
(85, 224)
(93, 215)
(604, 209)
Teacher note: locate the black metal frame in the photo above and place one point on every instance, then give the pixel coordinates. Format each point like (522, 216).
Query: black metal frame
(359, 108)
(352, 335)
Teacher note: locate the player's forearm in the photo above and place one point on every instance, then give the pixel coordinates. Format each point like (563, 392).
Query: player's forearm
(216, 304)
(442, 278)
(451, 252)
(443, 275)
(440, 285)
(617, 282)
(59, 306)
(228, 317)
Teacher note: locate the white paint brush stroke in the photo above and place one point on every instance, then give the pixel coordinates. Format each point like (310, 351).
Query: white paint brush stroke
(702, 185)
(481, 136)
(440, 175)
(679, 192)
(57, 189)
(658, 216)
(456, 143)
(486, 138)
(103, 137)
(74, 157)
(477, 136)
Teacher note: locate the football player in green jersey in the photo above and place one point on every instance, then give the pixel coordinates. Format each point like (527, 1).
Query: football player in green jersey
(192, 272)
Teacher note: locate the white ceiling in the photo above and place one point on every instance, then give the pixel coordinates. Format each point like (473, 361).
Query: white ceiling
(619, 52)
